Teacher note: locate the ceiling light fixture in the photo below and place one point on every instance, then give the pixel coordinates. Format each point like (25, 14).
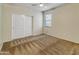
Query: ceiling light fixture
(41, 5)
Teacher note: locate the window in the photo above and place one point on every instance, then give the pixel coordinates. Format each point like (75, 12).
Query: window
(48, 19)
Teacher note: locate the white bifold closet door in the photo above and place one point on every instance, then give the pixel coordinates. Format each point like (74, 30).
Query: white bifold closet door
(21, 26)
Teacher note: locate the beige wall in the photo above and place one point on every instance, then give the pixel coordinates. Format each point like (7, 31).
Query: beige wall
(0, 23)
(1, 26)
(8, 10)
(65, 23)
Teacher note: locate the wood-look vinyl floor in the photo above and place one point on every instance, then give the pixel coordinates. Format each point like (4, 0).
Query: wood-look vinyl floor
(41, 45)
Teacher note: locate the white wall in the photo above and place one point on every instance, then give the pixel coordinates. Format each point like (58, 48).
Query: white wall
(8, 10)
(65, 24)
(37, 23)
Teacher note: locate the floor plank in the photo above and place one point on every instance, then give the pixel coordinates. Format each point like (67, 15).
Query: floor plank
(41, 45)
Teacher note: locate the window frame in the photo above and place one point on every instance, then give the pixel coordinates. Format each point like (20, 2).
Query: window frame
(49, 20)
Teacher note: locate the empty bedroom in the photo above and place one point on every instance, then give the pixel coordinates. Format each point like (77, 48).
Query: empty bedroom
(39, 29)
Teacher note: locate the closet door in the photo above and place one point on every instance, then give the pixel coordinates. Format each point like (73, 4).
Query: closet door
(21, 26)
(17, 26)
(28, 26)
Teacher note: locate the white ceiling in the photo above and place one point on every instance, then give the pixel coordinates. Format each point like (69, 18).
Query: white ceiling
(35, 6)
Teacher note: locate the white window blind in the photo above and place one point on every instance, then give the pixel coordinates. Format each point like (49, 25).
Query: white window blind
(48, 20)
